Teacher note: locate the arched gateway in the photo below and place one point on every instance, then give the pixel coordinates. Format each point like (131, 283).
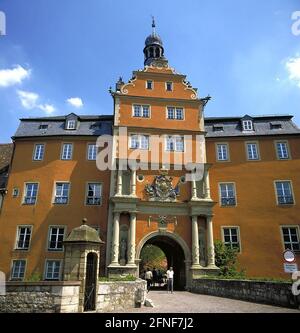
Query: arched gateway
(176, 251)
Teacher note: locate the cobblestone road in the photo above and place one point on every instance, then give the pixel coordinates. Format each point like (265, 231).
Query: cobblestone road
(184, 302)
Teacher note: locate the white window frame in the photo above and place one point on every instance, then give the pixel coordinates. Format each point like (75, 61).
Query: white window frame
(284, 196)
(25, 194)
(93, 198)
(234, 192)
(285, 142)
(257, 151)
(230, 235)
(141, 114)
(46, 270)
(152, 84)
(172, 85)
(247, 125)
(223, 144)
(55, 193)
(38, 155)
(12, 270)
(294, 226)
(175, 108)
(139, 141)
(70, 153)
(175, 143)
(73, 126)
(94, 150)
(19, 227)
(57, 235)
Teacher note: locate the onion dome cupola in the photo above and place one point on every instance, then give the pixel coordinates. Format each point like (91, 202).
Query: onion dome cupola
(153, 50)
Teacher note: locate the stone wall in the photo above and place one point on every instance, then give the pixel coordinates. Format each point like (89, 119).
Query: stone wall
(44, 296)
(115, 296)
(273, 293)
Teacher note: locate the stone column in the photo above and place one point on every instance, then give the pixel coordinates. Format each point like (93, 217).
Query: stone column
(133, 183)
(210, 243)
(195, 242)
(131, 240)
(115, 242)
(119, 183)
(194, 190)
(206, 185)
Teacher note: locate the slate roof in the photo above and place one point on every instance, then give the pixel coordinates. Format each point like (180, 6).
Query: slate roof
(6, 151)
(262, 125)
(100, 125)
(87, 125)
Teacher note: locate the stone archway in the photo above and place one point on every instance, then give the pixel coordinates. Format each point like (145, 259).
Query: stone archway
(177, 253)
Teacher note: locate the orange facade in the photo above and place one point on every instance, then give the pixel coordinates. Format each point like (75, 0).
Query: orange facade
(156, 206)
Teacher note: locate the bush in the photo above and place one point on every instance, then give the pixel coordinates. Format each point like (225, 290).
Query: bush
(117, 279)
(226, 260)
(34, 277)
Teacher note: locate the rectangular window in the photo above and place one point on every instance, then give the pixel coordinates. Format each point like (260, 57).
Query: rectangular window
(61, 193)
(92, 152)
(227, 193)
(222, 152)
(252, 151)
(291, 238)
(71, 124)
(56, 238)
(247, 125)
(30, 196)
(284, 193)
(93, 194)
(169, 86)
(149, 84)
(175, 113)
(18, 269)
(175, 143)
(67, 151)
(52, 270)
(282, 150)
(231, 237)
(39, 150)
(139, 142)
(141, 111)
(23, 238)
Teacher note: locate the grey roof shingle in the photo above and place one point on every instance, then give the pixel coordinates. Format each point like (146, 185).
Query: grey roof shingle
(88, 125)
(100, 125)
(232, 126)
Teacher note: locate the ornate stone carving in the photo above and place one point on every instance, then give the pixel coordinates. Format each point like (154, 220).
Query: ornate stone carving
(162, 189)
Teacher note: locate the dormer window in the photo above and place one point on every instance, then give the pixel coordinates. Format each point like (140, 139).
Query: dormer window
(218, 128)
(71, 124)
(247, 125)
(276, 126)
(43, 127)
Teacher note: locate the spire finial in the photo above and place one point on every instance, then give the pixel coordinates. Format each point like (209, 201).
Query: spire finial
(153, 25)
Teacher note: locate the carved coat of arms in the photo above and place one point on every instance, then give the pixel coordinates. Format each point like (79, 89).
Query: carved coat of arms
(162, 189)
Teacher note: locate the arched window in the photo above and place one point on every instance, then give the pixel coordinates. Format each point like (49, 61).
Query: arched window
(151, 52)
(157, 52)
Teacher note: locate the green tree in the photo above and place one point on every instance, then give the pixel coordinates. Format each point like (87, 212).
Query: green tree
(153, 257)
(226, 260)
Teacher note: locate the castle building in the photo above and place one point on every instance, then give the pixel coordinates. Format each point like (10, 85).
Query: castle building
(173, 178)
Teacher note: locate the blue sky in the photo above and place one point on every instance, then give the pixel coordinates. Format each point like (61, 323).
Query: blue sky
(61, 56)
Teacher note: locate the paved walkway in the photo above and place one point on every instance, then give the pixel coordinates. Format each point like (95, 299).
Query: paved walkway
(185, 302)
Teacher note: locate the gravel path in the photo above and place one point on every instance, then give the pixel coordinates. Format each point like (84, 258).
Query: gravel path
(185, 302)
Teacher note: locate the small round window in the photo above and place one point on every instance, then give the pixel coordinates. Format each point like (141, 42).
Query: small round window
(182, 179)
(140, 178)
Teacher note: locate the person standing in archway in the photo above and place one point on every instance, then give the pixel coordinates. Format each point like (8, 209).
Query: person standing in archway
(148, 277)
(170, 279)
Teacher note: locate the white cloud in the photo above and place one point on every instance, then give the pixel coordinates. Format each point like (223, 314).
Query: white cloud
(29, 101)
(10, 77)
(293, 68)
(75, 101)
